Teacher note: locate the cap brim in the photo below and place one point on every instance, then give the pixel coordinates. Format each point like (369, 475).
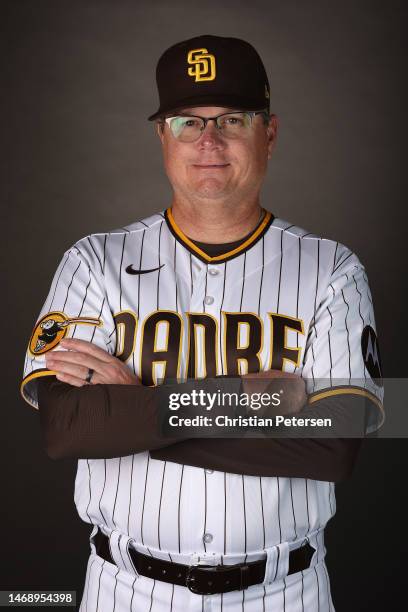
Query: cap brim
(228, 101)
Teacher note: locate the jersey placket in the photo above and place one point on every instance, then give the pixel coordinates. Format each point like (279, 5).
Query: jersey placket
(208, 300)
(207, 534)
(213, 289)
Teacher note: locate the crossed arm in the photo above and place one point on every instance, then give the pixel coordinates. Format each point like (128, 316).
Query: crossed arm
(116, 416)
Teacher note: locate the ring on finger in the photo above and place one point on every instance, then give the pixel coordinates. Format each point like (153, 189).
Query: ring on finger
(89, 375)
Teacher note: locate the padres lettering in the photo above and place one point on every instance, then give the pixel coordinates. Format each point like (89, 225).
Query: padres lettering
(203, 68)
(237, 356)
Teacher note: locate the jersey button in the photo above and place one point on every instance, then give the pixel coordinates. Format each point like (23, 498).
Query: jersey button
(213, 271)
(208, 300)
(208, 538)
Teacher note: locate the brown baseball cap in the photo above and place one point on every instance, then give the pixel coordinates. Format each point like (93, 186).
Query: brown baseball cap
(211, 71)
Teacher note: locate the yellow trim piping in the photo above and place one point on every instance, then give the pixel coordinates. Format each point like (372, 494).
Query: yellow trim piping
(30, 377)
(228, 254)
(345, 391)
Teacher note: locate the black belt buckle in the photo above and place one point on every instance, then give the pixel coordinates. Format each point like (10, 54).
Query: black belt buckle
(192, 580)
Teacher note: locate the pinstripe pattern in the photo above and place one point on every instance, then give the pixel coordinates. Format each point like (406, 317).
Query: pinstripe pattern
(55, 283)
(165, 509)
(312, 327)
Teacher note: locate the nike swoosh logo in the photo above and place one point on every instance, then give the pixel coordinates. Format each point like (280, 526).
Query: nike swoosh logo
(130, 270)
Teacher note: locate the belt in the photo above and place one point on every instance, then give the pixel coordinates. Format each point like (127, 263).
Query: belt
(205, 579)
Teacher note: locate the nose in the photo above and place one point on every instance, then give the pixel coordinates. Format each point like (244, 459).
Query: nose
(211, 136)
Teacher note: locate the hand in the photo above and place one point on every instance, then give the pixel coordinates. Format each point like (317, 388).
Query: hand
(72, 366)
(293, 398)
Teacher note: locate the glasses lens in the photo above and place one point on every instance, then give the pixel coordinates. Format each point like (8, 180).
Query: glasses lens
(186, 129)
(234, 125)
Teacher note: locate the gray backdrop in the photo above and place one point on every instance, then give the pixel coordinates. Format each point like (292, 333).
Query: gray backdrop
(80, 157)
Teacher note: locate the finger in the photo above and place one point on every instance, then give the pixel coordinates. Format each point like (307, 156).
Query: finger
(57, 357)
(87, 347)
(71, 380)
(71, 369)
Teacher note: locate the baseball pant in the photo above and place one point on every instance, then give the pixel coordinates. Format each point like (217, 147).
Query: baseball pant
(109, 588)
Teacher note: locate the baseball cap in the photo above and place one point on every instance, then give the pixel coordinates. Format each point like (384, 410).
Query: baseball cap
(211, 71)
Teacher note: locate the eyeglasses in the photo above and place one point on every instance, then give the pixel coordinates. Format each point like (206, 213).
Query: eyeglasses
(188, 128)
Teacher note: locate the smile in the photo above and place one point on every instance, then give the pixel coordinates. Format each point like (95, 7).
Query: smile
(210, 165)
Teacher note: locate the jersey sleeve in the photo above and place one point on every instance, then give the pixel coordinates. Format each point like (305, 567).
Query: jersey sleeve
(342, 354)
(76, 307)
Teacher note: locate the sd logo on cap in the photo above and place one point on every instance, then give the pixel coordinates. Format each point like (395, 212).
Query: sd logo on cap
(204, 65)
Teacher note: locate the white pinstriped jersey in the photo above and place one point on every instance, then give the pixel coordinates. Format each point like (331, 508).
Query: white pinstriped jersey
(285, 299)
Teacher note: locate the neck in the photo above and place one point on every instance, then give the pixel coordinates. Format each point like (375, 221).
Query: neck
(215, 222)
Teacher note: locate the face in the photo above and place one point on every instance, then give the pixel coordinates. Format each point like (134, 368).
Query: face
(214, 167)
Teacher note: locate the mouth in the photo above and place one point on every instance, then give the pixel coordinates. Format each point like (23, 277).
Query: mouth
(210, 166)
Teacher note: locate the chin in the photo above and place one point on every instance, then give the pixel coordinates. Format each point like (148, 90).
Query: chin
(210, 187)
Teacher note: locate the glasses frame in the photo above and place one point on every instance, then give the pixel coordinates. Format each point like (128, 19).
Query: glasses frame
(251, 114)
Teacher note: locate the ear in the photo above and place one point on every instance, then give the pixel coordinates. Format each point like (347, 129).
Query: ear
(159, 130)
(271, 131)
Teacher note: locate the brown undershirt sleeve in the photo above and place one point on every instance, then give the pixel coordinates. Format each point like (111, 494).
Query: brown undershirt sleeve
(103, 421)
(85, 423)
(330, 459)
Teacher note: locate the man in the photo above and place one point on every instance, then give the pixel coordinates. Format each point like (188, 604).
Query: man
(213, 286)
